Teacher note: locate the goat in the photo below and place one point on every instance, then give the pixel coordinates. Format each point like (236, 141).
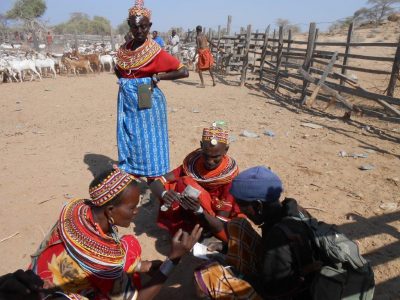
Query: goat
(94, 59)
(106, 59)
(45, 63)
(19, 66)
(74, 64)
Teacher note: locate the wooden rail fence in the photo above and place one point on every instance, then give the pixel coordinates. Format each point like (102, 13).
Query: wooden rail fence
(280, 61)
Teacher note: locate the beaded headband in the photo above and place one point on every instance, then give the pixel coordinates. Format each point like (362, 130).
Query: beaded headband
(215, 135)
(139, 10)
(110, 187)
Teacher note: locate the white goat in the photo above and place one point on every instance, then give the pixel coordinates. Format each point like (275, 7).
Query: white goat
(106, 59)
(19, 66)
(3, 69)
(45, 63)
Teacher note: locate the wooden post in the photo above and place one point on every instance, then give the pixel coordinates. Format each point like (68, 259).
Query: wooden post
(264, 52)
(217, 66)
(246, 56)
(347, 52)
(273, 45)
(328, 69)
(279, 58)
(228, 26)
(307, 61)
(35, 40)
(288, 48)
(112, 40)
(76, 41)
(395, 72)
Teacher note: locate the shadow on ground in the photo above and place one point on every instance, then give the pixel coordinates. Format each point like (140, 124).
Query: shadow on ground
(98, 163)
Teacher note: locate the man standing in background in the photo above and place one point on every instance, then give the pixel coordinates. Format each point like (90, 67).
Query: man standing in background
(158, 39)
(174, 43)
(206, 59)
(49, 41)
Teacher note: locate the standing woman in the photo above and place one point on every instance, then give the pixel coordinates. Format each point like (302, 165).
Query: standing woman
(142, 129)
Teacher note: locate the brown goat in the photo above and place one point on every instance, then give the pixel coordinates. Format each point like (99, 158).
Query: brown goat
(72, 64)
(94, 59)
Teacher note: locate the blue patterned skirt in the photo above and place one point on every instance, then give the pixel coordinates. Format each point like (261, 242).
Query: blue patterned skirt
(142, 134)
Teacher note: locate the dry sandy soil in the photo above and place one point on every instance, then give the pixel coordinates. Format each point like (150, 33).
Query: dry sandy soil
(56, 134)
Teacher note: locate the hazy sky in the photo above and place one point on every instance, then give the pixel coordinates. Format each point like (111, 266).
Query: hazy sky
(209, 13)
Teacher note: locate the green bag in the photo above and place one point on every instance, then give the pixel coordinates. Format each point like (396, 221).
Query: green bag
(145, 92)
(344, 273)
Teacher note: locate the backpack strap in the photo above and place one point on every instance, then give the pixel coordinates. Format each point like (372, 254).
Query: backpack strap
(297, 245)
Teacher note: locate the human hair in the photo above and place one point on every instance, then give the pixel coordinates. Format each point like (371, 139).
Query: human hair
(199, 28)
(155, 31)
(101, 177)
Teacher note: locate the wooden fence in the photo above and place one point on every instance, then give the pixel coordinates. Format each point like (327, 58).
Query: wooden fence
(280, 61)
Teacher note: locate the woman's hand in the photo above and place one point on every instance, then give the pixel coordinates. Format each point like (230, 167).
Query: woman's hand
(145, 266)
(190, 203)
(169, 197)
(182, 242)
(150, 266)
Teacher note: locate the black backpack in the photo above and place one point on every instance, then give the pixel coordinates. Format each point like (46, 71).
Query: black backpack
(338, 269)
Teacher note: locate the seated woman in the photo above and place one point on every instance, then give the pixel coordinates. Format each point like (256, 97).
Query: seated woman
(210, 171)
(83, 256)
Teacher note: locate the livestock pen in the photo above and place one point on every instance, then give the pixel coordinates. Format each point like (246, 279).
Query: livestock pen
(310, 68)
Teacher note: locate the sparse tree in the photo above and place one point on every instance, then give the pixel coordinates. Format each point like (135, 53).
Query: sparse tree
(29, 12)
(378, 11)
(81, 23)
(287, 26)
(123, 28)
(381, 9)
(282, 22)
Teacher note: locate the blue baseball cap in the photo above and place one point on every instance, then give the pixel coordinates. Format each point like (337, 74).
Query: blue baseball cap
(258, 183)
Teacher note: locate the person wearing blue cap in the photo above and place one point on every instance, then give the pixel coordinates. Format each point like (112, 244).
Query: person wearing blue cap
(261, 265)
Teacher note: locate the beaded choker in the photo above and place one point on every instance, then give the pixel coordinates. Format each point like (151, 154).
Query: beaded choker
(223, 175)
(135, 59)
(96, 253)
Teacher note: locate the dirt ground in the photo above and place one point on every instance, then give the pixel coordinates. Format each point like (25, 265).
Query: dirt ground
(56, 134)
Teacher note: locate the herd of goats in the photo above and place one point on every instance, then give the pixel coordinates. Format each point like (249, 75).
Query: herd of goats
(16, 65)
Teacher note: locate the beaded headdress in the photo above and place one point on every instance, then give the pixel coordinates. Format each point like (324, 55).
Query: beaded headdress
(139, 10)
(215, 135)
(110, 187)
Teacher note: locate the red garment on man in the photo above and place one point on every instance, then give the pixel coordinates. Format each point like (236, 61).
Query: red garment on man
(206, 59)
(49, 39)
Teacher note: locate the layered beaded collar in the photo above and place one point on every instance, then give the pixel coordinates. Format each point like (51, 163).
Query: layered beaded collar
(135, 59)
(95, 252)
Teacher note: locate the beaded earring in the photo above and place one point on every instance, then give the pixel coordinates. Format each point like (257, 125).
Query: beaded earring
(114, 230)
